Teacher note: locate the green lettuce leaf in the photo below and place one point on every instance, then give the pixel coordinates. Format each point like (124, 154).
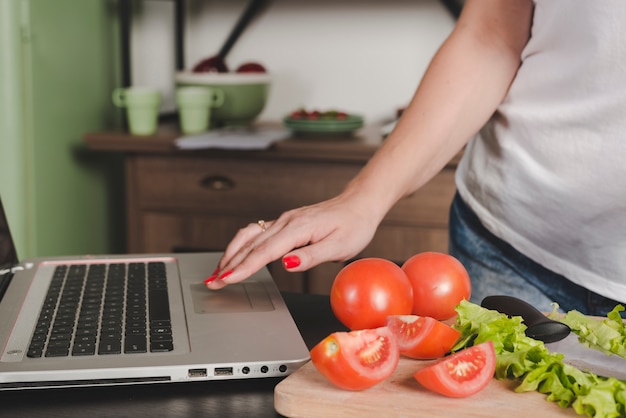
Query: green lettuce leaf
(529, 361)
(606, 334)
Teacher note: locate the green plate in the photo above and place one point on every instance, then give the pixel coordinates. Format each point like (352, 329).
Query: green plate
(324, 126)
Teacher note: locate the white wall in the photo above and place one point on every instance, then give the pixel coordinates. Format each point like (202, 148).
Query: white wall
(362, 56)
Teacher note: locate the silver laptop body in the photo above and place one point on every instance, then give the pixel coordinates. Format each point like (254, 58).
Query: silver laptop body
(242, 331)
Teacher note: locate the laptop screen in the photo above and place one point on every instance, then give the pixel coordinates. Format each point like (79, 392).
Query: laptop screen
(8, 255)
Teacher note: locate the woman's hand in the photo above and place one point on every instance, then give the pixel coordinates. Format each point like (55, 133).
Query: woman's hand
(332, 230)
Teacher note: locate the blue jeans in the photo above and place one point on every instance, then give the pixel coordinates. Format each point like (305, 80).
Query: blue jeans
(496, 268)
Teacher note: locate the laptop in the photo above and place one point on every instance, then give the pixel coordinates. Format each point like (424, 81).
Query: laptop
(137, 319)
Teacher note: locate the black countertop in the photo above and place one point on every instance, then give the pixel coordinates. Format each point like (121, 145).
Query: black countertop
(226, 398)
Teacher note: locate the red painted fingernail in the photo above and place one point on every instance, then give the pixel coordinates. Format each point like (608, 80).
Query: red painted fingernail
(211, 279)
(291, 261)
(225, 275)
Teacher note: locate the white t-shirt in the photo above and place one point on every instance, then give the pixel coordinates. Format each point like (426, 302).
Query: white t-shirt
(548, 172)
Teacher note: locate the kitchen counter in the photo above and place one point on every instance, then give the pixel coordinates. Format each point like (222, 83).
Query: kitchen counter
(196, 200)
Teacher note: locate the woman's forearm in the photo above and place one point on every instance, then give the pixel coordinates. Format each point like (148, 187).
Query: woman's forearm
(465, 82)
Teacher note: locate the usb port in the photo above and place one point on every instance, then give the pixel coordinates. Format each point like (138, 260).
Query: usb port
(223, 371)
(197, 373)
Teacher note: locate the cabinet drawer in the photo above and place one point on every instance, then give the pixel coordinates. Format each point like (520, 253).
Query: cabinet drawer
(237, 186)
(265, 188)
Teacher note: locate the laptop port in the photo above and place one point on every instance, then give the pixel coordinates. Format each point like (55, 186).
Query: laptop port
(195, 373)
(223, 371)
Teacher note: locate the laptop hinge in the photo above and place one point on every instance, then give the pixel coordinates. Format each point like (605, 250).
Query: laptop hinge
(5, 279)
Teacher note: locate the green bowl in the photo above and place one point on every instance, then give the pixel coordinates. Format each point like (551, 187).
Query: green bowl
(245, 95)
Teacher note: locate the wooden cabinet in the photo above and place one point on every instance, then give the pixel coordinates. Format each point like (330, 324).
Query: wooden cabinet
(197, 200)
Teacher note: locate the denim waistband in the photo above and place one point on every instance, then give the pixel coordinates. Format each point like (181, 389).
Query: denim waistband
(493, 262)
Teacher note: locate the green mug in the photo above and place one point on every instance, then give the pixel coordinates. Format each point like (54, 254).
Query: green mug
(194, 107)
(142, 108)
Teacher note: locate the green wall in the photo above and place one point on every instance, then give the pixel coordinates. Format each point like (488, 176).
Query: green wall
(60, 61)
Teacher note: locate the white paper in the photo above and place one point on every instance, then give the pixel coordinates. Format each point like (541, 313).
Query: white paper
(241, 138)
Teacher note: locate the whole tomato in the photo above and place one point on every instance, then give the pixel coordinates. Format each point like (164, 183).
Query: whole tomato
(439, 283)
(368, 290)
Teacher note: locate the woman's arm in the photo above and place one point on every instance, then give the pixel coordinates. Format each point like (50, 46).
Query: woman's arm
(465, 82)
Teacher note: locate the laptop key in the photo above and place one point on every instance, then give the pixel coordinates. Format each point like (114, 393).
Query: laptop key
(35, 350)
(135, 344)
(57, 351)
(84, 349)
(110, 347)
(161, 346)
(60, 337)
(159, 307)
(161, 337)
(161, 331)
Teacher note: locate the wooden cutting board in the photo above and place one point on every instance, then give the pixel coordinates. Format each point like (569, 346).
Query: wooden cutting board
(306, 393)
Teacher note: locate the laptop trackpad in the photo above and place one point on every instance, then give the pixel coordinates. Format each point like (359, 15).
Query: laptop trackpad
(239, 297)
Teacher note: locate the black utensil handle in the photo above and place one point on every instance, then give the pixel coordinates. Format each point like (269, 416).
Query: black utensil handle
(253, 7)
(539, 326)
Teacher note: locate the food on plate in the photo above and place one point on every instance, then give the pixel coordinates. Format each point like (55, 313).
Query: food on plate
(251, 67)
(304, 114)
(439, 283)
(422, 337)
(366, 291)
(461, 374)
(357, 360)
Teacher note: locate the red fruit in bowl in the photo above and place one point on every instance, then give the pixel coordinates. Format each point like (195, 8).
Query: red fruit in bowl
(211, 65)
(298, 114)
(251, 67)
(313, 115)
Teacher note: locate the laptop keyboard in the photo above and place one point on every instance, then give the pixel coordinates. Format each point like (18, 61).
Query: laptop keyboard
(103, 309)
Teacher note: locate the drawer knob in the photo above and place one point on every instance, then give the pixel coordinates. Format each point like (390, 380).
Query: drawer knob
(218, 183)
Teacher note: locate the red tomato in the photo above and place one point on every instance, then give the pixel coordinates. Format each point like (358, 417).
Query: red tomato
(422, 337)
(462, 374)
(357, 360)
(368, 290)
(439, 283)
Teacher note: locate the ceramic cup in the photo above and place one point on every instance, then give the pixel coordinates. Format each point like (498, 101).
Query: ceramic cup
(194, 107)
(142, 108)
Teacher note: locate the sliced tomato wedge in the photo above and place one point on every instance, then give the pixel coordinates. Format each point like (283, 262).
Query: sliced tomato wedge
(422, 337)
(462, 374)
(357, 360)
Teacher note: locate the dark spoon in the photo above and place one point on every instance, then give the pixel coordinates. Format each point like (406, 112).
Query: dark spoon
(217, 63)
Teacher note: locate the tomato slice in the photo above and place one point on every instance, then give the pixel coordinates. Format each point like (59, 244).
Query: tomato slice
(357, 360)
(422, 337)
(462, 374)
